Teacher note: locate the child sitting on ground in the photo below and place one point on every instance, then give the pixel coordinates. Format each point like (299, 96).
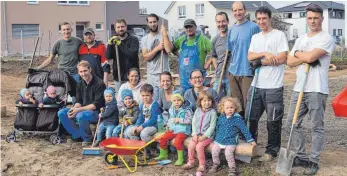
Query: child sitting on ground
(203, 125)
(178, 127)
(146, 124)
(228, 126)
(26, 97)
(109, 118)
(50, 97)
(128, 112)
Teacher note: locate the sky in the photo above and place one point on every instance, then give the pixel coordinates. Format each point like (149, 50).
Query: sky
(159, 7)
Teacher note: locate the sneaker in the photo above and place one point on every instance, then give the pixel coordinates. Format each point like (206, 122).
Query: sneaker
(312, 169)
(232, 172)
(86, 143)
(300, 163)
(188, 166)
(266, 158)
(214, 169)
(73, 140)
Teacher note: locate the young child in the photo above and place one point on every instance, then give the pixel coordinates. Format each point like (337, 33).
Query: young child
(50, 97)
(178, 127)
(128, 112)
(203, 125)
(146, 124)
(109, 118)
(26, 97)
(228, 126)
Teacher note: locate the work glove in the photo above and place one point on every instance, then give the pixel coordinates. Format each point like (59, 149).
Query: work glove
(114, 40)
(255, 64)
(315, 63)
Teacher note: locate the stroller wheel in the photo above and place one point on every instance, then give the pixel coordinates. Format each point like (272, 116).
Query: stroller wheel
(55, 139)
(10, 138)
(111, 158)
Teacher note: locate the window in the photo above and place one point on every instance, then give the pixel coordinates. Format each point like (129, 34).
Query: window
(302, 14)
(98, 26)
(29, 30)
(73, 2)
(181, 11)
(334, 32)
(339, 32)
(59, 27)
(199, 9)
(295, 33)
(287, 15)
(32, 2)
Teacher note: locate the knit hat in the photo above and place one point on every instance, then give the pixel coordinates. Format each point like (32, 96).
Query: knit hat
(22, 92)
(178, 94)
(50, 89)
(109, 91)
(127, 93)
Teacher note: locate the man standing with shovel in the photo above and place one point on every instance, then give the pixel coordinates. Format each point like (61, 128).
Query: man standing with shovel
(314, 48)
(155, 47)
(268, 53)
(128, 49)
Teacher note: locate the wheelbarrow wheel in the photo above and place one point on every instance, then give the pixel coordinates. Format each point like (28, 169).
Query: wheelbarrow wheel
(10, 138)
(55, 139)
(111, 158)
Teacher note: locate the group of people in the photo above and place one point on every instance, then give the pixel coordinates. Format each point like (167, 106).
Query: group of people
(194, 109)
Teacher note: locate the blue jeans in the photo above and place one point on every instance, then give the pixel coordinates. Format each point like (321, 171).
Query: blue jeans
(225, 87)
(103, 127)
(83, 118)
(116, 131)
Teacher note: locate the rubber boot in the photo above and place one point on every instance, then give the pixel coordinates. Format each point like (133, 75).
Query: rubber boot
(163, 155)
(180, 158)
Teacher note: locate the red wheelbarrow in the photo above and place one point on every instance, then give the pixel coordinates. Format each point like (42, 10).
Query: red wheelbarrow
(119, 147)
(340, 104)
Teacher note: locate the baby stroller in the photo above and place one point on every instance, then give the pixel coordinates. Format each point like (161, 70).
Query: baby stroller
(31, 120)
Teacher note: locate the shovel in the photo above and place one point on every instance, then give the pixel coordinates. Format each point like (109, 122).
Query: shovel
(118, 66)
(223, 70)
(93, 150)
(252, 95)
(286, 157)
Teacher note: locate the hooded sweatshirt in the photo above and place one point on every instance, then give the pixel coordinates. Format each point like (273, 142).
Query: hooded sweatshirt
(110, 115)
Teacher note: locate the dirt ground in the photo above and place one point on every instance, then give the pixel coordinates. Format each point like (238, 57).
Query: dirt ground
(37, 156)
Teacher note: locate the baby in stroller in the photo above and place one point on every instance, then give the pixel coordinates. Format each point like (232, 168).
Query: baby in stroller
(50, 97)
(26, 97)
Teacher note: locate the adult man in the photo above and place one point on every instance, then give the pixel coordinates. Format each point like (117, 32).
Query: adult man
(314, 48)
(267, 52)
(128, 49)
(94, 52)
(218, 51)
(151, 45)
(239, 39)
(67, 51)
(193, 49)
(85, 111)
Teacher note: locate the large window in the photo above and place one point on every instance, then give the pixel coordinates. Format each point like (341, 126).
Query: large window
(302, 14)
(181, 11)
(29, 30)
(199, 9)
(339, 32)
(287, 15)
(334, 32)
(73, 2)
(98, 26)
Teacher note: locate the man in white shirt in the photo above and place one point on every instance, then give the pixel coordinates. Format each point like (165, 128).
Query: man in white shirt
(314, 48)
(267, 52)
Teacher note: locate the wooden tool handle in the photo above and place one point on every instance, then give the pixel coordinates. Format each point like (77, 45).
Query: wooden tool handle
(162, 51)
(222, 73)
(117, 58)
(96, 131)
(301, 95)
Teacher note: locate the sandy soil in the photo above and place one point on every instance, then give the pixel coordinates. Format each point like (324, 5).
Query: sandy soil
(37, 156)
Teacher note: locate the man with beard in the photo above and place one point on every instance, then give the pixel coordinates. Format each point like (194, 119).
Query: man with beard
(67, 51)
(94, 52)
(192, 50)
(151, 45)
(128, 49)
(239, 39)
(218, 51)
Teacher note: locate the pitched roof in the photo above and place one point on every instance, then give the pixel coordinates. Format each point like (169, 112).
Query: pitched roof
(301, 6)
(250, 5)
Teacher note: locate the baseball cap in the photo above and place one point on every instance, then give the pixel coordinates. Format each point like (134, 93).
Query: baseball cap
(189, 22)
(88, 30)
